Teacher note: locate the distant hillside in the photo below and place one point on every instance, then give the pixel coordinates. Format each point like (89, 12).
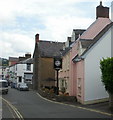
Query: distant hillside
(4, 62)
(0, 61)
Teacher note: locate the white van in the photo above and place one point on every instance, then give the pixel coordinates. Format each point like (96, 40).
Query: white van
(4, 86)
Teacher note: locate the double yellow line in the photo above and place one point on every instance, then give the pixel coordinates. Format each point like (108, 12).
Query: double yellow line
(14, 109)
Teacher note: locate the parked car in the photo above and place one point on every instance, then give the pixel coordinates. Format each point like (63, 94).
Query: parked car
(4, 86)
(12, 84)
(23, 86)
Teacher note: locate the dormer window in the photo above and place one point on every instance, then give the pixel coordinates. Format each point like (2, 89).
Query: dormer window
(28, 67)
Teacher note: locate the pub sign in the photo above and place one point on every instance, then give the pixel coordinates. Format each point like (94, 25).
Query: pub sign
(57, 63)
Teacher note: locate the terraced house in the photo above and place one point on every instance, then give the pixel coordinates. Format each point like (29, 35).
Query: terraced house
(64, 72)
(85, 55)
(22, 71)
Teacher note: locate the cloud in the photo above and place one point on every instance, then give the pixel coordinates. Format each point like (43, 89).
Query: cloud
(59, 28)
(53, 19)
(16, 44)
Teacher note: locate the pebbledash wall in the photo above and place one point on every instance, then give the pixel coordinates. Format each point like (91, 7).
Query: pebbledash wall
(93, 87)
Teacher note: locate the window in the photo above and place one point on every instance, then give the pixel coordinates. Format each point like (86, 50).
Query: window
(28, 67)
(20, 79)
(16, 67)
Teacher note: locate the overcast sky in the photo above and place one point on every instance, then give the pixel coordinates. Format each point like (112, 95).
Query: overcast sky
(54, 20)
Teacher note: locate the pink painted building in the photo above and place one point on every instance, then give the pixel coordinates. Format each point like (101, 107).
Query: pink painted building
(64, 73)
(84, 58)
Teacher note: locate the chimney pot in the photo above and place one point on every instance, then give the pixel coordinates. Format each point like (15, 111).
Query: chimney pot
(100, 3)
(36, 38)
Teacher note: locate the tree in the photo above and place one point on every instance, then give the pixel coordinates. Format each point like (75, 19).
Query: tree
(106, 66)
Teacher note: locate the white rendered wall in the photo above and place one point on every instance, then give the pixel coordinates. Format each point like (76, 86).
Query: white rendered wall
(112, 11)
(21, 69)
(94, 88)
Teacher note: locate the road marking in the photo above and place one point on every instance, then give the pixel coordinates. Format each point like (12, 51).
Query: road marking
(84, 108)
(10, 110)
(14, 109)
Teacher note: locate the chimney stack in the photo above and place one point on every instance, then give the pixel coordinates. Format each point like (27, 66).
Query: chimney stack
(102, 11)
(36, 38)
(27, 55)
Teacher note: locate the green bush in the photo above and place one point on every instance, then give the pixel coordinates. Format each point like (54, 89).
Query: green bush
(106, 66)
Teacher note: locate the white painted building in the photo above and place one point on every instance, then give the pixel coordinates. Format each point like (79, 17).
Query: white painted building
(22, 72)
(96, 43)
(94, 88)
(12, 76)
(4, 72)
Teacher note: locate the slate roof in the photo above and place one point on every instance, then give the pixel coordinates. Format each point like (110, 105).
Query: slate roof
(64, 52)
(49, 48)
(89, 43)
(95, 28)
(98, 37)
(29, 60)
(95, 31)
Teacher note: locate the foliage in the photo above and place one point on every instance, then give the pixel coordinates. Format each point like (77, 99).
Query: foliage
(106, 66)
(63, 90)
(51, 91)
(46, 90)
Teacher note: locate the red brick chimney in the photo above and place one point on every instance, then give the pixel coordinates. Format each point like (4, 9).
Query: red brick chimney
(102, 11)
(36, 38)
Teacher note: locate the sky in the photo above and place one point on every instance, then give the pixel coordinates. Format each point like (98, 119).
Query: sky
(54, 20)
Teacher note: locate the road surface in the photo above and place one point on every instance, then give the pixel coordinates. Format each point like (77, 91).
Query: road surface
(30, 105)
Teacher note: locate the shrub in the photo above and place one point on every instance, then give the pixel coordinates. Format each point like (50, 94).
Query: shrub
(106, 66)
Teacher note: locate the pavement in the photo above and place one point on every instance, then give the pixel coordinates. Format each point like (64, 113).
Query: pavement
(103, 107)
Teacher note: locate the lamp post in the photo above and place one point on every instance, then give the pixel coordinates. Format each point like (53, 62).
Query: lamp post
(57, 67)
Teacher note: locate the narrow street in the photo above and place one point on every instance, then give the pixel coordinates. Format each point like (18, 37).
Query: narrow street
(30, 105)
